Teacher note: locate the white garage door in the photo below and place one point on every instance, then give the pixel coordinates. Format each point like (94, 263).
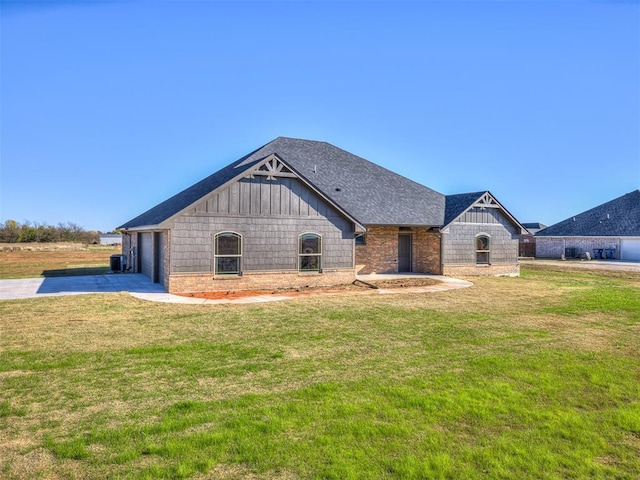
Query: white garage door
(630, 249)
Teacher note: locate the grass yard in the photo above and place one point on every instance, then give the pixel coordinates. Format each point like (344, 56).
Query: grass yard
(55, 260)
(536, 377)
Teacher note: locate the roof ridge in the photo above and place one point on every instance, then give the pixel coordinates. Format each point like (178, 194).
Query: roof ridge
(363, 189)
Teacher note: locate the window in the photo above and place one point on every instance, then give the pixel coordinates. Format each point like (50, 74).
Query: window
(227, 253)
(482, 249)
(360, 239)
(310, 253)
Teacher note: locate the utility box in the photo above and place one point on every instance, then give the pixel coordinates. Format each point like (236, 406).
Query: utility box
(118, 263)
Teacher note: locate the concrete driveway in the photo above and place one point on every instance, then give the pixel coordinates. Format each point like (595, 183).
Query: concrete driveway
(615, 265)
(141, 287)
(53, 286)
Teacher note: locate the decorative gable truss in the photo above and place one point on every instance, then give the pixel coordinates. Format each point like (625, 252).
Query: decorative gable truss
(272, 168)
(487, 210)
(486, 201)
(270, 188)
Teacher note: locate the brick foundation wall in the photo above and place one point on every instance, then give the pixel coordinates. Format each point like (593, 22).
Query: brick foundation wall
(512, 270)
(207, 282)
(380, 253)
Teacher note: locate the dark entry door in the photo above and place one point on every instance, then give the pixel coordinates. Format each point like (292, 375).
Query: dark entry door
(158, 257)
(404, 253)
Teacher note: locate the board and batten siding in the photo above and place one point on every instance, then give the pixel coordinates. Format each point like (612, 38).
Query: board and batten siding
(270, 215)
(459, 242)
(259, 196)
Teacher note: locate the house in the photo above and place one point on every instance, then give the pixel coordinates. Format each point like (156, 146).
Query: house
(608, 231)
(110, 239)
(527, 240)
(297, 213)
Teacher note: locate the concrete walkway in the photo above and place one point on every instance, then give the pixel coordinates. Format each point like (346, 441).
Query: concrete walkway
(141, 287)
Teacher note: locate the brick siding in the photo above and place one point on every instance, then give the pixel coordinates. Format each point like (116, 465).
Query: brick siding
(512, 270)
(380, 253)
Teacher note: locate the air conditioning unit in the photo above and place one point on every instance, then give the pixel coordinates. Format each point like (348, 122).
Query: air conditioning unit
(570, 252)
(118, 263)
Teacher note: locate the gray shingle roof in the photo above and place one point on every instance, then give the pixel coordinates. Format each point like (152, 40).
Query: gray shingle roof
(182, 200)
(367, 192)
(457, 204)
(618, 217)
(533, 227)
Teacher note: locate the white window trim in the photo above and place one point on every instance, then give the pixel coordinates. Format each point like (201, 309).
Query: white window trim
(216, 256)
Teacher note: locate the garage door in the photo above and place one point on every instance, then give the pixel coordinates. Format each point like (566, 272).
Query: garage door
(630, 249)
(145, 253)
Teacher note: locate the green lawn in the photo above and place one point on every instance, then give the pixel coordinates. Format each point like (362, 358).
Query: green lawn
(536, 377)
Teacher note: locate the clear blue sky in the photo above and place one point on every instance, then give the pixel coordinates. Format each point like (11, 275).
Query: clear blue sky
(108, 108)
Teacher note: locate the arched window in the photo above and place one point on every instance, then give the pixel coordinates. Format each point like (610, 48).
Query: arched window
(227, 253)
(483, 249)
(310, 252)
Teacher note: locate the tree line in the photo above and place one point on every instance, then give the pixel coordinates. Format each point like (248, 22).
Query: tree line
(15, 232)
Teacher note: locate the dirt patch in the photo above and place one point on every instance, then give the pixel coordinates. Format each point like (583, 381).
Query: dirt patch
(355, 287)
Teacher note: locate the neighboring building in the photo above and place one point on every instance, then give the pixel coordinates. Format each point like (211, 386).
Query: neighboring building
(299, 213)
(110, 239)
(608, 231)
(527, 244)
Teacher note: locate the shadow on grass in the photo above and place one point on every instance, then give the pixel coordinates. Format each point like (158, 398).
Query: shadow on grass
(76, 272)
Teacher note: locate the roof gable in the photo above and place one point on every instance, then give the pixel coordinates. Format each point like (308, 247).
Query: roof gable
(458, 204)
(179, 202)
(272, 167)
(367, 193)
(258, 191)
(618, 217)
(370, 193)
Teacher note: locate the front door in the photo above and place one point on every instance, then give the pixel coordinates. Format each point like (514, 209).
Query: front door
(404, 252)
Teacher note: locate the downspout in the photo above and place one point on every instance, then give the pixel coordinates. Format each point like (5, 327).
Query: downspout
(132, 252)
(124, 232)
